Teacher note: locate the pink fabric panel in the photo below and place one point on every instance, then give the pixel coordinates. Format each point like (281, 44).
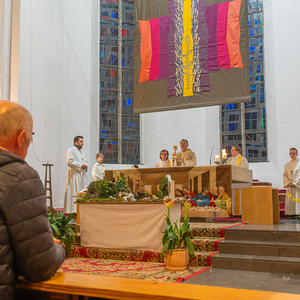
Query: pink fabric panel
(223, 54)
(155, 42)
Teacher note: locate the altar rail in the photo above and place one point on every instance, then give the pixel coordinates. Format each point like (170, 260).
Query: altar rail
(72, 286)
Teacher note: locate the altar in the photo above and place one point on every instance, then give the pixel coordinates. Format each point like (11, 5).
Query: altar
(231, 178)
(124, 225)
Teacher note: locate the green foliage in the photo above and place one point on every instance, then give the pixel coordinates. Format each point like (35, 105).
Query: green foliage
(63, 228)
(175, 238)
(121, 184)
(163, 188)
(100, 189)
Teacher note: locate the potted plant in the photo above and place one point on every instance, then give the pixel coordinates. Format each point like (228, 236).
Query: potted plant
(178, 248)
(63, 228)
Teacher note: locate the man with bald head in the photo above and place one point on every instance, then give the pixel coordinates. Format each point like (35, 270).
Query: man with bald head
(27, 245)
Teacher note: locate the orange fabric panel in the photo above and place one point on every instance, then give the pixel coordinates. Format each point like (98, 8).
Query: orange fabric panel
(233, 34)
(146, 50)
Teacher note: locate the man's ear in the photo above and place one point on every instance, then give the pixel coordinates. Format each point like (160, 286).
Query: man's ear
(21, 138)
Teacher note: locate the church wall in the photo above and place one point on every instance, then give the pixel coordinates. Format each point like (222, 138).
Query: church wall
(58, 82)
(200, 126)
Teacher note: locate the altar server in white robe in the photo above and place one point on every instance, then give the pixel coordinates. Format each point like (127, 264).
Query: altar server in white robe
(77, 174)
(237, 159)
(98, 171)
(291, 181)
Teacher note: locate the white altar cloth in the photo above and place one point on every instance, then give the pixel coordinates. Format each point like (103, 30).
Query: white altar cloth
(131, 226)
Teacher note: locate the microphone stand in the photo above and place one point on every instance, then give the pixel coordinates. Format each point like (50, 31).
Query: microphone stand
(210, 155)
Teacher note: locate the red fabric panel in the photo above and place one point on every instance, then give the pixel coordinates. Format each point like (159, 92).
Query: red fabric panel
(145, 50)
(223, 54)
(233, 34)
(155, 42)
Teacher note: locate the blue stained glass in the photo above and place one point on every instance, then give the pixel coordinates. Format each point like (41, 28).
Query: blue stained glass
(114, 60)
(123, 62)
(114, 15)
(258, 69)
(114, 142)
(250, 69)
(263, 110)
(256, 22)
(101, 135)
(231, 126)
(247, 123)
(262, 96)
(130, 125)
(101, 54)
(257, 77)
(252, 48)
(251, 32)
(230, 106)
(128, 101)
(253, 87)
(251, 58)
(102, 131)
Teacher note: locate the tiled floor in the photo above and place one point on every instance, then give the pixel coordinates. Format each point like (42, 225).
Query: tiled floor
(262, 281)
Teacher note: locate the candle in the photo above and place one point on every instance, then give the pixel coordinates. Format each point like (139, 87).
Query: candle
(217, 158)
(224, 154)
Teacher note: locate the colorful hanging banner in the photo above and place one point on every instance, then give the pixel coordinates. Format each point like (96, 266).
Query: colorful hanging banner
(190, 53)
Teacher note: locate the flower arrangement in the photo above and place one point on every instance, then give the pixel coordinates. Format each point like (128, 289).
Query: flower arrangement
(177, 237)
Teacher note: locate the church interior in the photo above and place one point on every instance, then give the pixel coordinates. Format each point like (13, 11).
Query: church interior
(60, 61)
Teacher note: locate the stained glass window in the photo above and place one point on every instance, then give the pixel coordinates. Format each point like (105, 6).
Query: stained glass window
(255, 116)
(109, 84)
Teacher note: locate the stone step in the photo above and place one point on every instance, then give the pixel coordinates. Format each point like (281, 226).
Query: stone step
(260, 248)
(269, 264)
(236, 233)
(206, 244)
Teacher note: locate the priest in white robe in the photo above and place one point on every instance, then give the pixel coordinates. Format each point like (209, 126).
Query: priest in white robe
(77, 174)
(186, 156)
(291, 181)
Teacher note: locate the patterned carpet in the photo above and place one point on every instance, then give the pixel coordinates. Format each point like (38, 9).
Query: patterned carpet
(126, 269)
(206, 239)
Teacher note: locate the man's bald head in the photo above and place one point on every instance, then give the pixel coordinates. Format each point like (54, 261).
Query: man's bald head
(15, 127)
(13, 119)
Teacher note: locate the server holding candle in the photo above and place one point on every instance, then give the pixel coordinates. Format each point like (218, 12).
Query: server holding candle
(236, 158)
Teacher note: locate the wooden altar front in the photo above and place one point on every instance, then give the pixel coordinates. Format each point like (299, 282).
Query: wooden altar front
(232, 178)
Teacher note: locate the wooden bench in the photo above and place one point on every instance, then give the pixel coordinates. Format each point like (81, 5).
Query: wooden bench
(74, 285)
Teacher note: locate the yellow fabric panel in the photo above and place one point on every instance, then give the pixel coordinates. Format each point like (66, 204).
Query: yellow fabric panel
(187, 49)
(238, 161)
(237, 202)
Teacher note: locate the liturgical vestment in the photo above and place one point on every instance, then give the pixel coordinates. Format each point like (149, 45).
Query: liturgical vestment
(76, 179)
(292, 175)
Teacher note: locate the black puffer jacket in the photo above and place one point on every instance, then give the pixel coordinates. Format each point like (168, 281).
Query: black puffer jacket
(26, 241)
